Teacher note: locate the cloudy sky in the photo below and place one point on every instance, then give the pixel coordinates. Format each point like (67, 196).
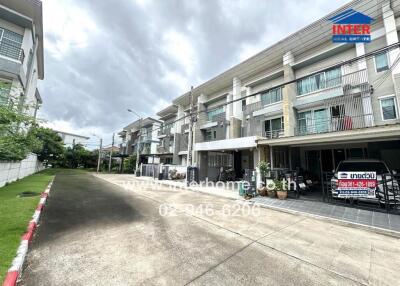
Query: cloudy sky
(104, 56)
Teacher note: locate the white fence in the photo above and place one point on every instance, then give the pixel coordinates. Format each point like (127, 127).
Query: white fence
(11, 171)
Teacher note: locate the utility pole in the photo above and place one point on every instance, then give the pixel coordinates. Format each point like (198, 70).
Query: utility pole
(100, 150)
(190, 139)
(138, 146)
(111, 152)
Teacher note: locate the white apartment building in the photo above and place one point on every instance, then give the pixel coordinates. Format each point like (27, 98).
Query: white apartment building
(21, 54)
(310, 108)
(70, 139)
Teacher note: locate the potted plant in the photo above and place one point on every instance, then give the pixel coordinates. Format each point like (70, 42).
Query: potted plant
(271, 188)
(281, 191)
(262, 191)
(264, 169)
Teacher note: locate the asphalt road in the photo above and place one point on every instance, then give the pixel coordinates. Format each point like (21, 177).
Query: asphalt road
(94, 232)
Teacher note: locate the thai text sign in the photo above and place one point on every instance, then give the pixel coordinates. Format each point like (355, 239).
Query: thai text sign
(356, 184)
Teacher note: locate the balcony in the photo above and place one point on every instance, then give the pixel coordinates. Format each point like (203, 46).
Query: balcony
(164, 149)
(314, 125)
(273, 134)
(163, 132)
(184, 127)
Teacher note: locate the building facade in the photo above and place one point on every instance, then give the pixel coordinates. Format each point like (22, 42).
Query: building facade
(21, 54)
(303, 103)
(142, 134)
(70, 139)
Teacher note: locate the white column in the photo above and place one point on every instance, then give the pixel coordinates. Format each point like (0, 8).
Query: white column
(360, 51)
(228, 113)
(236, 94)
(366, 97)
(289, 95)
(391, 33)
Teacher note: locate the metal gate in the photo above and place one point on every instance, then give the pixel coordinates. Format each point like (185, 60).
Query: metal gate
(150, 170)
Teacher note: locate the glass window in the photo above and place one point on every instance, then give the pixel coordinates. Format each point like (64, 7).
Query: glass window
(208, 135)
(304, 122)
(388, 108)
(213, 112)
(381, 62)
(5, 88)
(326, 79)
(271, 96)
(10, 44)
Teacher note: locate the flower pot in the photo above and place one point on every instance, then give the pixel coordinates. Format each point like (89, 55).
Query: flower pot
(271, 193)
(282, 195)
(262, 191)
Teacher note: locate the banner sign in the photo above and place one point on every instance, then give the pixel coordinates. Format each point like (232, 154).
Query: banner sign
(356, 184)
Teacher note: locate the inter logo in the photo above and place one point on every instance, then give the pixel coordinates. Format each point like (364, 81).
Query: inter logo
(351, 26)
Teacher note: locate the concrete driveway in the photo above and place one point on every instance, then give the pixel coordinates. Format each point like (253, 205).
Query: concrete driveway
(95, 232)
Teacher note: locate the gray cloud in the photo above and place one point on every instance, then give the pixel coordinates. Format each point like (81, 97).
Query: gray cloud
(125, 63)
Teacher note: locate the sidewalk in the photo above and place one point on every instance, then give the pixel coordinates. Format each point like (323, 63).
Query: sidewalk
(369, 218)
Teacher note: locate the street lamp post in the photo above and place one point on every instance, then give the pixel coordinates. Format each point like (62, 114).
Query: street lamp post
(100, 150)
(139, 135)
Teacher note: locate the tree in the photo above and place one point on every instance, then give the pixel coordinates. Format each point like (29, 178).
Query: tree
(78, 157)
(51, 147)
(16, 140)
(130, 164)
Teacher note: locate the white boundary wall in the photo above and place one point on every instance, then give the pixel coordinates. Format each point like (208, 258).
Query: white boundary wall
(11, 171)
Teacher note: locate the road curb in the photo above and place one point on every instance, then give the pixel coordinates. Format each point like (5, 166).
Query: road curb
(16, 266)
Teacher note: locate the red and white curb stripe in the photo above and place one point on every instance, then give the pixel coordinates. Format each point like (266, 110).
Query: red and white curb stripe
(16, 266)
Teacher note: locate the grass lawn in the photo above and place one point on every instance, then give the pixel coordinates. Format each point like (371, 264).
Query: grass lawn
(16, 212)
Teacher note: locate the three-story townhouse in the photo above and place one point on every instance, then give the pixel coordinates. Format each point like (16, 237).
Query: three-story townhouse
(142, 134)
(305, 102)
(166, 135)
(21, 54)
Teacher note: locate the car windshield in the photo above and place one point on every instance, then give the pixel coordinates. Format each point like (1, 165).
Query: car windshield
(378, 167)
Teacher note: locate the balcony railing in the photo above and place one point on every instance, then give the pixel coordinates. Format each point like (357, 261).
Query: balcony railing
(338, 123)
(184, 127)
(273, 134)
(164, 131)
(348, 83)
(164, 149)
(12, 51)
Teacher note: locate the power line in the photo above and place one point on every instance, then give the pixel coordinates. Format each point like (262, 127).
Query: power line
(316, 39)
(338, 64)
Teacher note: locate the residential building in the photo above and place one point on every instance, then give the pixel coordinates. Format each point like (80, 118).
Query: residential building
(167, 135)
(21, 54)
(174, 135)
(303, 103)
(142, 134)
(70, 139)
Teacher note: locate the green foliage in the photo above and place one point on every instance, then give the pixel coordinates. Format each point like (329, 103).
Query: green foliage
(77, 157)
(279, 185)
(15, 213)
(51, 147)
(15, 139)
(130, 164)
(264, 168)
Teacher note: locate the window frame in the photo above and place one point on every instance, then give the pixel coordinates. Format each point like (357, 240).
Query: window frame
(325, 81)
(396, 109)
(387, 59)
